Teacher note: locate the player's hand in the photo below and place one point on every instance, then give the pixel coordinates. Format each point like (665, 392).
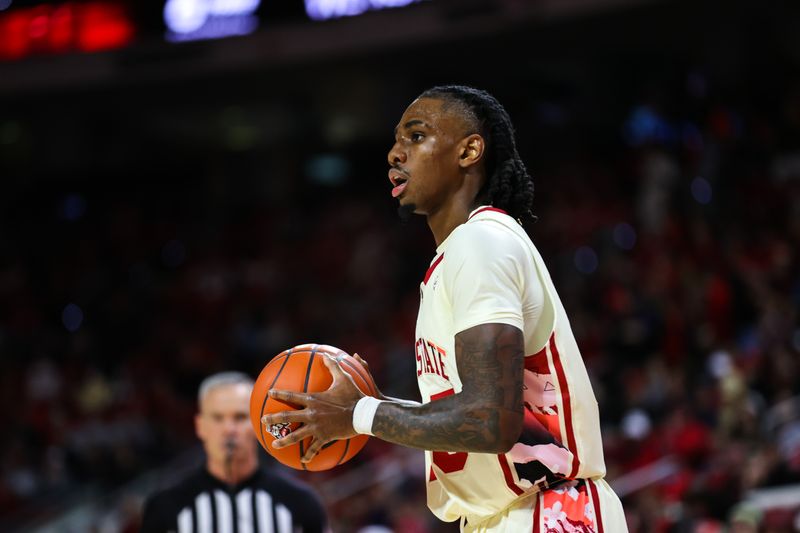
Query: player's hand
(325, 416)
(358, 358)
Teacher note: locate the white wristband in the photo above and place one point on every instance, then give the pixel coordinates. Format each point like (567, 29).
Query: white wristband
(364, 414)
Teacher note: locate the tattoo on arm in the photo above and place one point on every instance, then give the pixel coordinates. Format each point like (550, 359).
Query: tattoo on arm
(486, 416)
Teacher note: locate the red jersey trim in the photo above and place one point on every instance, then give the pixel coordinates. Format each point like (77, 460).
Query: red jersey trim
(448, 392)
(444, 393)
(567, 403)
(432, 268)
(596, 503)
(508, 475)
(537, 362)
(481, 210)
(536, 505)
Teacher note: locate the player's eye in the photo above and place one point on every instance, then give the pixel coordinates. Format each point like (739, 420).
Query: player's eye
(417, 137)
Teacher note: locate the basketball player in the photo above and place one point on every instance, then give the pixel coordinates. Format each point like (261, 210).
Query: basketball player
(231, 492)
(508, 418)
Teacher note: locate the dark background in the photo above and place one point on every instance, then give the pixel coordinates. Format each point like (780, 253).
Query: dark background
(171, 210)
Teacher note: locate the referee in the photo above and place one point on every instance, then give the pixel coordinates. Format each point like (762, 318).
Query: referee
(231, 493)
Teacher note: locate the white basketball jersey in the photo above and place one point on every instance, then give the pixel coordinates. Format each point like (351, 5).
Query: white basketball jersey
(489, 271)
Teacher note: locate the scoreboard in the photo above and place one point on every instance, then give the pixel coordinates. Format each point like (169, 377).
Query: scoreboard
(64, 27)
(30, 27)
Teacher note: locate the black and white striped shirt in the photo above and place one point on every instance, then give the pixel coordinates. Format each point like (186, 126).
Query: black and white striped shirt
(264, 503)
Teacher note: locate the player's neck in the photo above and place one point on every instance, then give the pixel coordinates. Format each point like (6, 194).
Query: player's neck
(445, 220)
(457, 207)
(238, 471)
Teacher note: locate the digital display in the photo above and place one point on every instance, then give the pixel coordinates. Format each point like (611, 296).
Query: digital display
(39, 27)
(328, 9)
(191, 20)
(64, 27)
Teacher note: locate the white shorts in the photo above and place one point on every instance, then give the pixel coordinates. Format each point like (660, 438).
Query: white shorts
(576, 507)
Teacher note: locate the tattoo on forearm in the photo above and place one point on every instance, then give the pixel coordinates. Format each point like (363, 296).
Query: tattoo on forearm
(490, 360)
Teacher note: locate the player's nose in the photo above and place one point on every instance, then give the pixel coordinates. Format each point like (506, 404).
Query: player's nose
(396, 155)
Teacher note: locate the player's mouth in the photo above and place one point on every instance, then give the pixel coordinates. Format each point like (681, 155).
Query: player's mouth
(399, 179)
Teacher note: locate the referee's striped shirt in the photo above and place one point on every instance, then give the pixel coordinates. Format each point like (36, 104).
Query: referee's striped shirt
(264, 503)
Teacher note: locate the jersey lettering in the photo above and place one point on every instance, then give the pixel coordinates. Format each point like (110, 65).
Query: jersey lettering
(428, 363)
(430, 359)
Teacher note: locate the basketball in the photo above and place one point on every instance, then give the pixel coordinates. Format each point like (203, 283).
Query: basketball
(301, 369)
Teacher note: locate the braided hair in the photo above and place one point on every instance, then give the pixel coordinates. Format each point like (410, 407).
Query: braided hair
(508, 185)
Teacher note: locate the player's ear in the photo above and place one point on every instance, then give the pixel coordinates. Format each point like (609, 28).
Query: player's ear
(471, 150)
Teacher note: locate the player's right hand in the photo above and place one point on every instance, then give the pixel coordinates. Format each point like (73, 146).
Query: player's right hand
(325, 416)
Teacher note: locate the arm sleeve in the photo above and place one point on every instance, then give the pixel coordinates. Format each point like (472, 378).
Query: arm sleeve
(483, 277)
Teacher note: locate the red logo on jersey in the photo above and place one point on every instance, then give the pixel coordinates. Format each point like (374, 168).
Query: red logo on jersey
(430, 359)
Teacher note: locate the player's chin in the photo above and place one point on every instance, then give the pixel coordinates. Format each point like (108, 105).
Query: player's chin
(407, 200)
(405, 210)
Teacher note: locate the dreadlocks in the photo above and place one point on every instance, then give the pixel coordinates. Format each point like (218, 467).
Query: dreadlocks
(508, 185)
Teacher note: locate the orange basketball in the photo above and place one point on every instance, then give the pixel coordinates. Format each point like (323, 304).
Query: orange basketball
(301, 369)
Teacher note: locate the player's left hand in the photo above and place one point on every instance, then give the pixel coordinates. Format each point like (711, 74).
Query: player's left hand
(326, 416)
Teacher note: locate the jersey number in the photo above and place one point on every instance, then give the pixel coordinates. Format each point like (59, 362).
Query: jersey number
(447, 462)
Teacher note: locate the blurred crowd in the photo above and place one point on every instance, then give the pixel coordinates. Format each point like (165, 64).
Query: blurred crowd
(674, 242)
